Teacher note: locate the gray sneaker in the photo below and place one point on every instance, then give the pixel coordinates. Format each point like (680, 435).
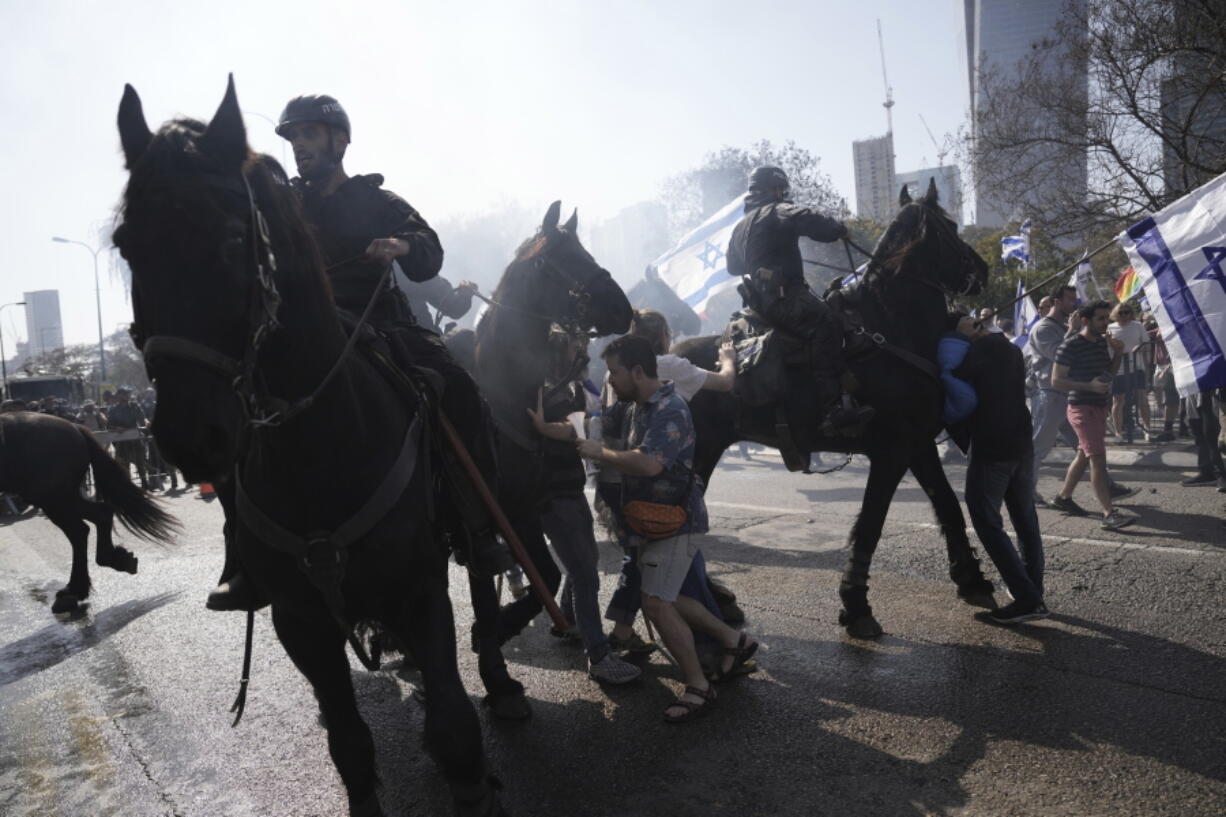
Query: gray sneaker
(1116, 520)
(613, 670)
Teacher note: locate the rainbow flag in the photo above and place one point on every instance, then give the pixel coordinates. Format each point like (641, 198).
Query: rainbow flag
(1128, 285)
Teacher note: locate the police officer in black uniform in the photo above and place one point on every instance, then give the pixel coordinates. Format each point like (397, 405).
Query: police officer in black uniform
(764, 251)
(361, 229)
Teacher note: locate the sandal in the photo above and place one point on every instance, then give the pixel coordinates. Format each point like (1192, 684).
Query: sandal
(692, 710)
(741, 660)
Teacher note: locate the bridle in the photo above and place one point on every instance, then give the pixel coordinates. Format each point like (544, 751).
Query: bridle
(875, 264)
(260, 410)
(578, 292)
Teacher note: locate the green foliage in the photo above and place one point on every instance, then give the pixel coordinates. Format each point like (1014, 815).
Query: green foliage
(124, 364)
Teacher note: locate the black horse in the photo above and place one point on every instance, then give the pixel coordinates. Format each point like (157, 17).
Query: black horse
(552, 280)
(902, 300)
(236, 321)
(653, 293)
(44, 459)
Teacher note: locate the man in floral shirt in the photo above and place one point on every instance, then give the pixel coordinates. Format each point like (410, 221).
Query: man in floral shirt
(656, 464)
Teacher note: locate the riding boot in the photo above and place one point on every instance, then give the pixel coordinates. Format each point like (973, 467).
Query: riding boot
(234, 591)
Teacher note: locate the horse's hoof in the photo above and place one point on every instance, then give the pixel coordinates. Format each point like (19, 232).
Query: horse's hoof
(985, 600)
(509, 706)
(864, 626)
(120, 559)
(66, 601)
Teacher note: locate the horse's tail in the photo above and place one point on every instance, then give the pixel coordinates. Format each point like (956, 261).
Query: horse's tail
(138, 513)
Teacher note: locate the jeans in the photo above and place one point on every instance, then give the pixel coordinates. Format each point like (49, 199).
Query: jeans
(567, 521)
(1049, 417)
(987, 484)
(1206, 427)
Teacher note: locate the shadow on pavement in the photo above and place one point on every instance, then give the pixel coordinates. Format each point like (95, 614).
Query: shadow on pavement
(58, 642)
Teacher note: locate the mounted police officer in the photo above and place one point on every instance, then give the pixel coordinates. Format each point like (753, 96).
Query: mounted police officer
(764, 251)
(361, 229)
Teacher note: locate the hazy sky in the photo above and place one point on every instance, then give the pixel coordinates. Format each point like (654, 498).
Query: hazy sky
(459, 105)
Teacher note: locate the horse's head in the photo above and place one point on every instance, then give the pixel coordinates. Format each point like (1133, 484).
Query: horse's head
(567, 284)
(654, 293)
(203, 295)
(923, 243)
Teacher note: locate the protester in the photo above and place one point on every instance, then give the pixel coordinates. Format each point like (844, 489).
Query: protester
(999, 470)
(126, 415)
(1132, 377)
(1084, 366)
(1005, 325)
(687, 378)
(1203, 419)
(656, 463)
(566, 516)
(1164, 383)
(1052, 403)
(90, 417)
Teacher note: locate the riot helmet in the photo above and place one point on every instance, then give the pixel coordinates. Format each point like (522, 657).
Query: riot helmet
(766, 179)
(317, 161)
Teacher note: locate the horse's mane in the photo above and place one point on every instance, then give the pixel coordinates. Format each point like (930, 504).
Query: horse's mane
(172, 162)
(515, 279)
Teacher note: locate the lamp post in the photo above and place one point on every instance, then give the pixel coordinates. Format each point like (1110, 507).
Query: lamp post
(4, 365)
(98, 298)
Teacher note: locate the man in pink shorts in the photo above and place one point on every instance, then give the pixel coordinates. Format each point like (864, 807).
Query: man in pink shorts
(1085, 364)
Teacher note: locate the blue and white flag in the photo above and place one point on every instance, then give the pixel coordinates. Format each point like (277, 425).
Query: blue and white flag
(1083, 279)
(697, 268)
(1179, 253)
(1017, 246)
(853, 278)
(1025, 316)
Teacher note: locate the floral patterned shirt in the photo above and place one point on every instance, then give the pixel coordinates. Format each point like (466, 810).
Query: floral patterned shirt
(662, 427)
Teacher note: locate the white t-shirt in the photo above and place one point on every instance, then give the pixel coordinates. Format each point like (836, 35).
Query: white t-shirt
(687, 378)
(1131, 333)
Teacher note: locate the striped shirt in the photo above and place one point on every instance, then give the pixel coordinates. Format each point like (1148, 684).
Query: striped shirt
(1086, 360)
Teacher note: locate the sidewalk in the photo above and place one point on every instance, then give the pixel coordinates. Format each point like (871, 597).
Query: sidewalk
(1179, 455)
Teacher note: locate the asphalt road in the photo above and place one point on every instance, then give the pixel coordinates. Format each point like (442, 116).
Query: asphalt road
(1114, 706)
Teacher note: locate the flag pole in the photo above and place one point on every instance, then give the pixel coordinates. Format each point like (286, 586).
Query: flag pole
(1056, 275)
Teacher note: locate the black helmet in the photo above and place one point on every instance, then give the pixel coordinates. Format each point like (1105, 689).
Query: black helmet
(768, 177)
(314, 108)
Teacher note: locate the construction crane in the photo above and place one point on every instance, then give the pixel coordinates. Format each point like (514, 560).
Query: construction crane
(889, 92)
(940, 151)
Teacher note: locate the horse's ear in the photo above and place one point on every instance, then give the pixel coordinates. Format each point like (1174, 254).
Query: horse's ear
(550, 225)
(932, 196)
(651, 273)
(134, 133)
(572, 222)
(904, 196)
(226, 137)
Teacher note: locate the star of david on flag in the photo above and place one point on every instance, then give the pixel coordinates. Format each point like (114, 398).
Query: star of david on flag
(697, 267)
(1178, 254)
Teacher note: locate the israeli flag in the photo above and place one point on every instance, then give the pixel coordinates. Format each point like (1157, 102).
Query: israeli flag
(1082, 279)
(1025, 316)
(853, 278)
(697, 267)
(1179, 253)
(1017, 246)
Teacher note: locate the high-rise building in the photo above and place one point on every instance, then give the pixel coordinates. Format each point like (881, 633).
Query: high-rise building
(876, 197)
(949, 186)
(44, 330)
(999, 34)
(1193, 108)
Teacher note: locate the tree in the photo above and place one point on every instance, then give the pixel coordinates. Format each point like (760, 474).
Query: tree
(693, 195)
(1148, 126)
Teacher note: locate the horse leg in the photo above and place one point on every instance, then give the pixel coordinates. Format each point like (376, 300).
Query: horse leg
(964, 568)
(106, 552)
(317, 648)
(504, 695)
(884, 475)
(69, 521)
(453, 733)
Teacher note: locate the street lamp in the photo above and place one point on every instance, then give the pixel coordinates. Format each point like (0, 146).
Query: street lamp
(98, 297)
(4, 365)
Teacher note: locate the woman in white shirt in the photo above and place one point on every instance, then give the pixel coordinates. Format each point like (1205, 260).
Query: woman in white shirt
(1131, 377)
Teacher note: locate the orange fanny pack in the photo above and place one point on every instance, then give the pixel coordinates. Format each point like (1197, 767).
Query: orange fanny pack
(653, 520)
